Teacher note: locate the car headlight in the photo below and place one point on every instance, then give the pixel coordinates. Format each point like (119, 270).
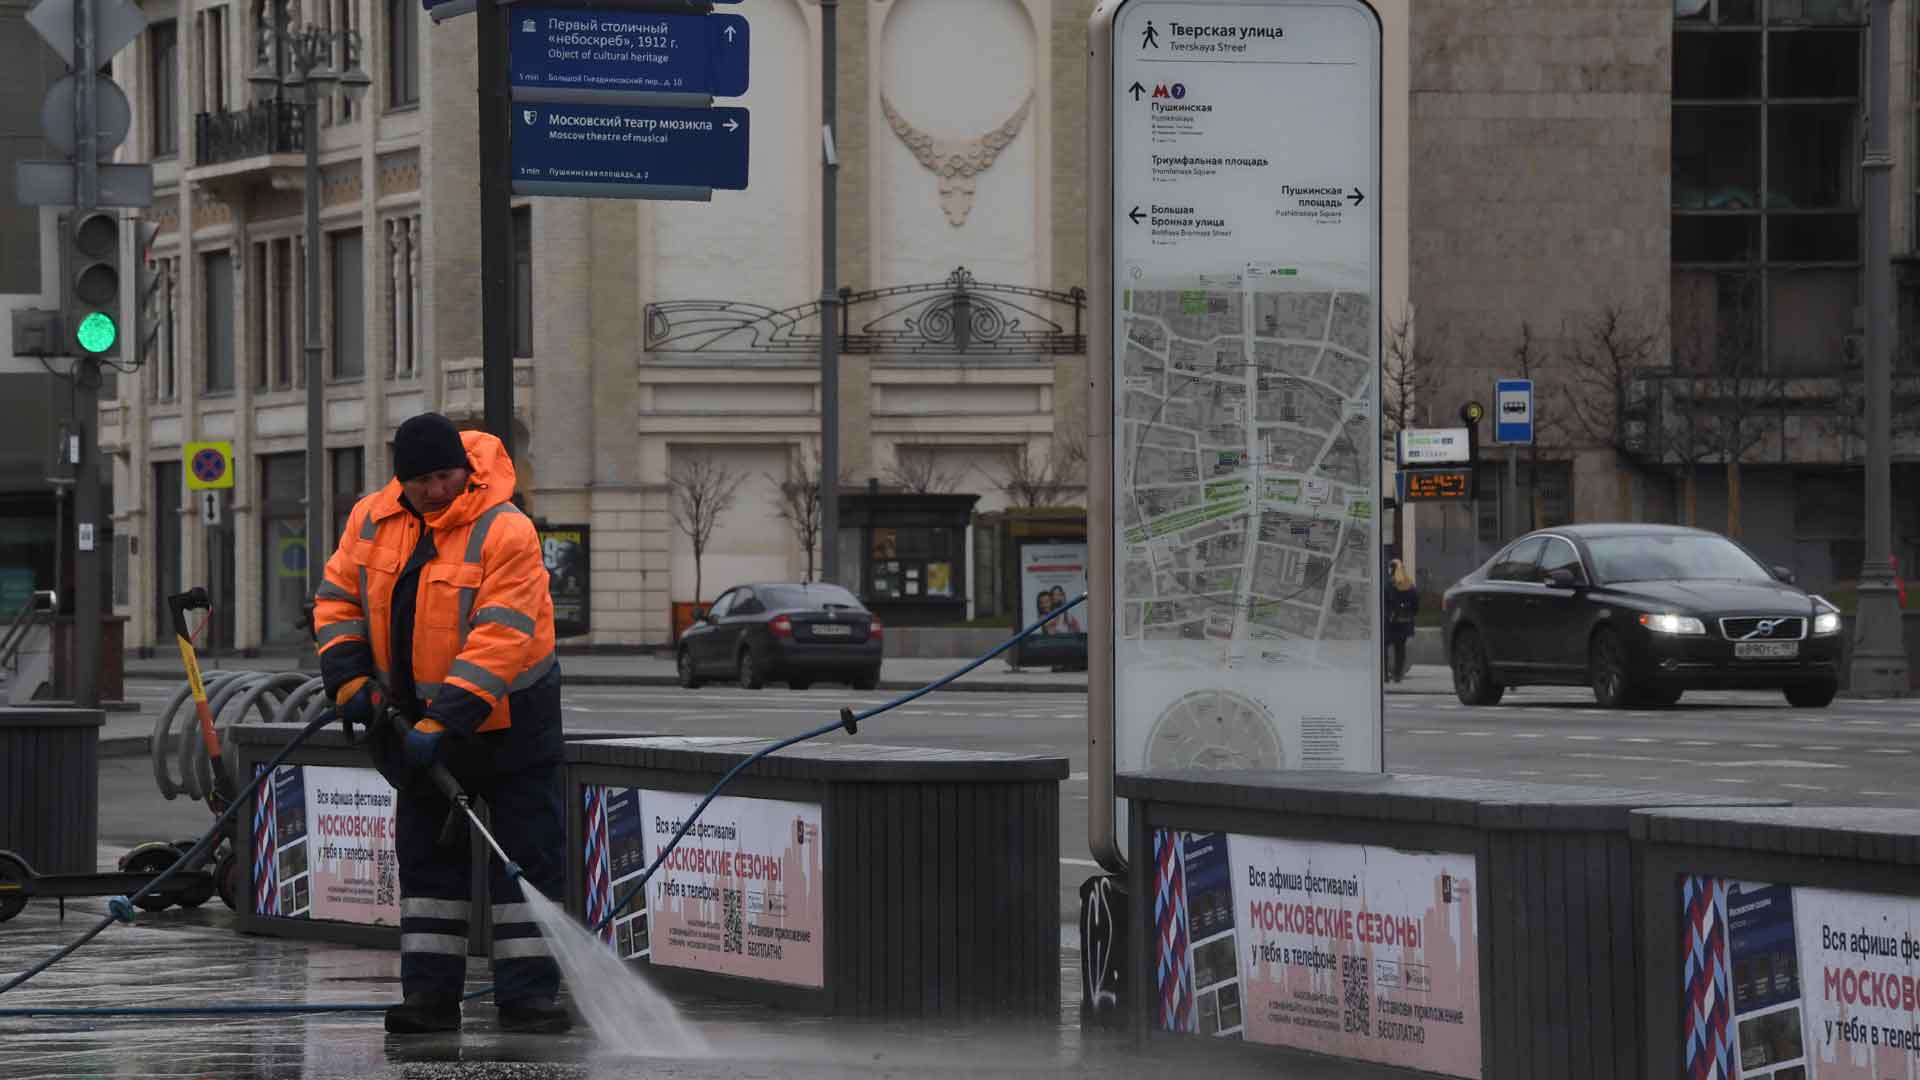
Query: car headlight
(1826, 624)
(1669, 623)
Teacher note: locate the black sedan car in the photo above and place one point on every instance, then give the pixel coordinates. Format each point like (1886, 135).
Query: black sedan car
(794, 634)
(1642, 614)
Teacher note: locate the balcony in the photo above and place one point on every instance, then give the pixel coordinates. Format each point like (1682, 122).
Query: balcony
(239, 144)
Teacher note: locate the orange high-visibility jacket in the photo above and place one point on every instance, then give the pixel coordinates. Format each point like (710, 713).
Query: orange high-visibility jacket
(483, 624)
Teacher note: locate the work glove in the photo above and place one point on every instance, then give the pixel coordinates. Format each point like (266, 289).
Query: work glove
(422, 748)
(358, 703)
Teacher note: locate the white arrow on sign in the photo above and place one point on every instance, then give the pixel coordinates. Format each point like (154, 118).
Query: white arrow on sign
(729, 31)
(732, 125)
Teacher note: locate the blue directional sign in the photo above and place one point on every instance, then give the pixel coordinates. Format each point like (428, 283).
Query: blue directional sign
(607, 150)
(625, 57)
(442, 10)
(1513, 412)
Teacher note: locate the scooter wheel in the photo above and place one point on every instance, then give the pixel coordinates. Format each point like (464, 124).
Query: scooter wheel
(199, 894)
(149, 861)
(226, 879)
(14, 874)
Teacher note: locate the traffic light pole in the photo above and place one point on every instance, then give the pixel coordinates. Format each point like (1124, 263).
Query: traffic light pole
(85, 653)
(497, 310)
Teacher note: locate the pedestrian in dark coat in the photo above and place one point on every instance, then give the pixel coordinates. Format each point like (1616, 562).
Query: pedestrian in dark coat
(1402, 603)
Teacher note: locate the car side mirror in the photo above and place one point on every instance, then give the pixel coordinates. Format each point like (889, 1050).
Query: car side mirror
(1783, 574)
(699, 614)
(1562, 578)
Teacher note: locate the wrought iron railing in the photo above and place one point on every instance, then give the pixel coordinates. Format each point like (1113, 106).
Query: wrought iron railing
(270, 127)
(958, 317)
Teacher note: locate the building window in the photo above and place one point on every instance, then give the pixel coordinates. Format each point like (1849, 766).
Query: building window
(349, 468)
(168, 489)
(283, 312)
(258, 314)
(216, 272)
(163, 88)
(1766, 183)
(403, 263)
(161, 360)
(403, 54)
(349, 305)
(523, 281)
(283, 521)
(212, 50)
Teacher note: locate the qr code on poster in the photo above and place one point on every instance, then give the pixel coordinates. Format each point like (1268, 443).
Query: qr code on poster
(1356, 995)
(735, 908)
(385, 868)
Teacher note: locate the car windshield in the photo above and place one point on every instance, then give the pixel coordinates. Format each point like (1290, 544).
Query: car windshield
(808, 596)
(1653, 557)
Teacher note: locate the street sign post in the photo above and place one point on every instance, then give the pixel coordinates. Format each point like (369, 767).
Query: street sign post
(1513, 412)
(609, 151)
(209, 465)
(1233, 217)
(1434, 446)
(582, 56)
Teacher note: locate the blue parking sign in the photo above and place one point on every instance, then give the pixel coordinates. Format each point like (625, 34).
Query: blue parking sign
(1513, 412)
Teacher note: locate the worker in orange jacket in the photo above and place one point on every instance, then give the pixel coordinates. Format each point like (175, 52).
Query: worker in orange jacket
(437, 591)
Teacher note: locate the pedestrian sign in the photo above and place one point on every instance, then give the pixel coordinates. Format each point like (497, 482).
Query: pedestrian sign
(1513, 416)
(602, 150)
(209, 465)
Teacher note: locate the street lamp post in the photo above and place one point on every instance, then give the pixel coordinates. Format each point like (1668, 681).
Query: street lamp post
(1879, 657)
(302, 59)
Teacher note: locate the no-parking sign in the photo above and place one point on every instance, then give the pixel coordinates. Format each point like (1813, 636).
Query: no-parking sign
(209, 465)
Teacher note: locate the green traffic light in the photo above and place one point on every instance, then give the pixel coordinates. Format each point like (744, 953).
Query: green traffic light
(97, 332)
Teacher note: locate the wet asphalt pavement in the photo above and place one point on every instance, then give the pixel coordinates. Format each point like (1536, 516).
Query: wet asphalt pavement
(178, 958)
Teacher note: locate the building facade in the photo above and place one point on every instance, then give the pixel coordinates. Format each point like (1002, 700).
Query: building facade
(1687, 167)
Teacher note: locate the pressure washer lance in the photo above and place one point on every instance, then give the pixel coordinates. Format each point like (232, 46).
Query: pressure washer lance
(451, 788)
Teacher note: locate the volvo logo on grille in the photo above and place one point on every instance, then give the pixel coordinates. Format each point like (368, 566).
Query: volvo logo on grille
(1763, 628)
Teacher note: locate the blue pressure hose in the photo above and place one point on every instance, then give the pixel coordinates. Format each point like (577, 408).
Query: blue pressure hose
(120, 908)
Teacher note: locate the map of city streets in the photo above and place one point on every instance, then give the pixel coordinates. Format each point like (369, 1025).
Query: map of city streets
(1245, 453)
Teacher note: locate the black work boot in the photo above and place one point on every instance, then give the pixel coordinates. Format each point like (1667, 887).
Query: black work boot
(537, 1015)
(424, 1013)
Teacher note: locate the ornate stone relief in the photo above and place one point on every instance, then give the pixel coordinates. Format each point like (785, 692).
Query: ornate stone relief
(956, 162)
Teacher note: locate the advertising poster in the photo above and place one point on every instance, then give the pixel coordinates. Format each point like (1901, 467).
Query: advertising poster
(567, 552)
(1350, 950)
(1789, 983)
(330, 832)
(1050, 576)
(742, 894)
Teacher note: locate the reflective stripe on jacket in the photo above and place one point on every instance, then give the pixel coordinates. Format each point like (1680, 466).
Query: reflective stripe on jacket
(483, 626)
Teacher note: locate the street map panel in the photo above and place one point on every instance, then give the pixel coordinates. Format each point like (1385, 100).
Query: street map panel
(1246, 446)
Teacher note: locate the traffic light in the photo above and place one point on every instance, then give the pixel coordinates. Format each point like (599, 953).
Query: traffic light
(92, 303)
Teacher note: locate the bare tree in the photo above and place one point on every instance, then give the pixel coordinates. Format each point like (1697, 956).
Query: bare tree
(1746, 406)
(1686, 426)
(702, 490)
(1409, 376)
(1606, 360)
(801, 502)
(1031, 481)
(917, 471)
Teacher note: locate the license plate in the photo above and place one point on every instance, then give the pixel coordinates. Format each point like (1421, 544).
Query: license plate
(1765, 650)
(832, 630)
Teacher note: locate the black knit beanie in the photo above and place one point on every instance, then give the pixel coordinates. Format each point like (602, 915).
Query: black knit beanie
(425, 444)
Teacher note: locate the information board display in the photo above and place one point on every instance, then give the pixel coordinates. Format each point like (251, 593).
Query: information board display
(1353, 950)
(323, 841)
(1245, 562)
(1794, 983)
(742, 895)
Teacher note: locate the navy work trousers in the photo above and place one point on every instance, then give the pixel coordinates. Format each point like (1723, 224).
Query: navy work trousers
(517, 774)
